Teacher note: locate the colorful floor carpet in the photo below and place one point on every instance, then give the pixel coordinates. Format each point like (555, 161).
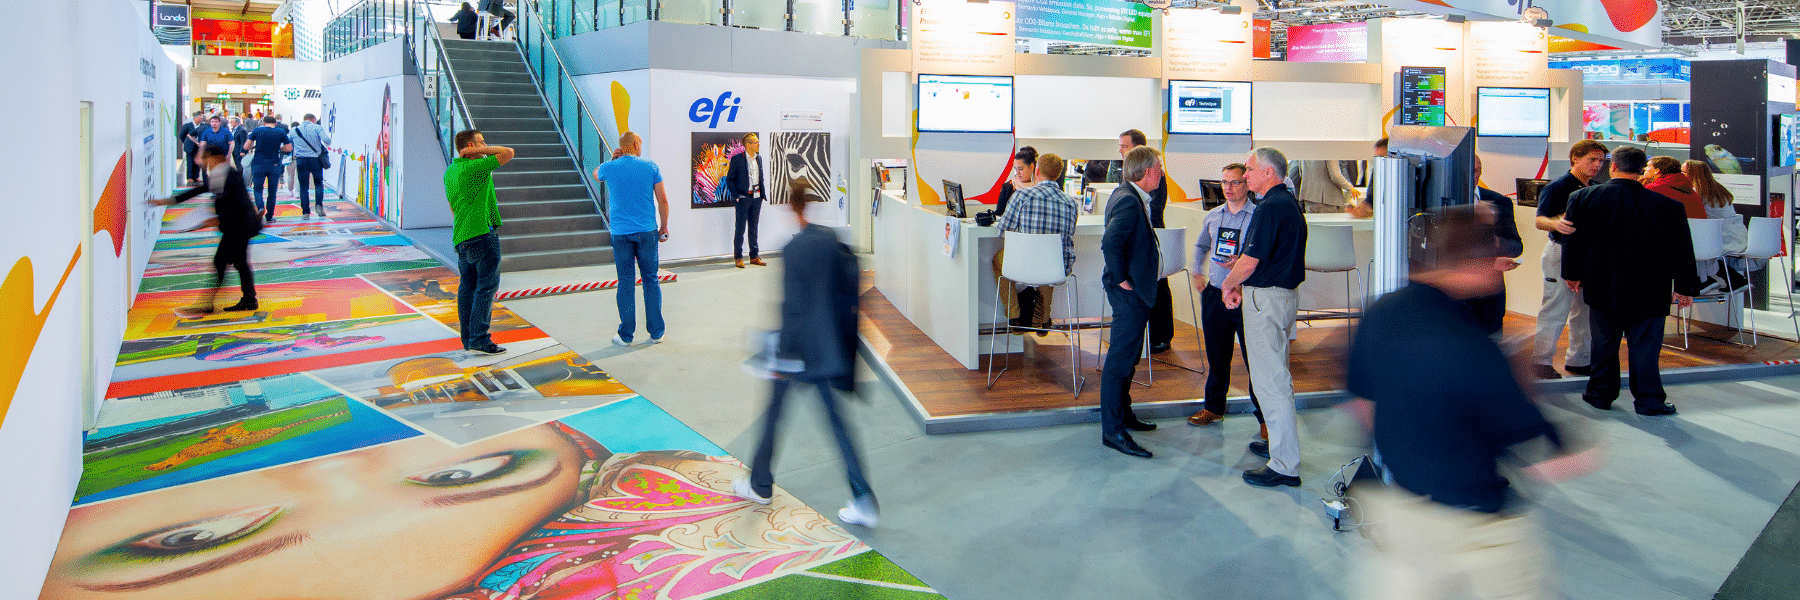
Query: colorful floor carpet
(337, 442)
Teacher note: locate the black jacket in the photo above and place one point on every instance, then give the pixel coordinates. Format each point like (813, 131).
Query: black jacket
(1129, 245)
(189, 129)
(466, 20)
(1630, 248)
(238, 216)
(1506, 230)
(738, 176)
(239, 136)
(819, 283)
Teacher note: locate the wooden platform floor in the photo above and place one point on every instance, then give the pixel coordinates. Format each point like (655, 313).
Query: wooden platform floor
(1039, 377)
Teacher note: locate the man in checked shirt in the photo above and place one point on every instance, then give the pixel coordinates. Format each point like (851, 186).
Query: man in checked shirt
(1041, 208)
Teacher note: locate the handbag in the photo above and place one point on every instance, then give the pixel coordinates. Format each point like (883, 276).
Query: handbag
(324, 159)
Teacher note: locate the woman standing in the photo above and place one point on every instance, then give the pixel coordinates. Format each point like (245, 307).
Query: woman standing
(466, 21)
(237, 219)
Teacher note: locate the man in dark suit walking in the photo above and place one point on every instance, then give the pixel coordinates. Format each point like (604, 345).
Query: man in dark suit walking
(1130, 278)
(745, 179)
(1629, 247)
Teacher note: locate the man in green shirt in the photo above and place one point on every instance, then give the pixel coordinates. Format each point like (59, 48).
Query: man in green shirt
(469, 184)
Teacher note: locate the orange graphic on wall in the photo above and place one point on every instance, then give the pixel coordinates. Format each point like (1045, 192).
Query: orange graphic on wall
(23, 323)
(109, 213)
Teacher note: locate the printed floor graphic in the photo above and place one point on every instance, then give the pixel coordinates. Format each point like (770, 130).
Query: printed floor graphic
(339, 443)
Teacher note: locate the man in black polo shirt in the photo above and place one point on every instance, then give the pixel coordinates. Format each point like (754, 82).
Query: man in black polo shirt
(1562, 306)
(1445, 408)
(1272, 265)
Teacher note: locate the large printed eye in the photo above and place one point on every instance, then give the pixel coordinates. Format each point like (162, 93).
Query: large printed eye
(470, 471)
(196, 536)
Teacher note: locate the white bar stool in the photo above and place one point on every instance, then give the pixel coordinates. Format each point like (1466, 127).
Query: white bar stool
(1332, 249)
(1036, 260)
(1709, 247)
(1764, 243)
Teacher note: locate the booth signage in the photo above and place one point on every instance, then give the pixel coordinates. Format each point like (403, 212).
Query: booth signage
(1508, 53)
(708, 110)
(957, 37)
(1201, 43)
(1328, 42)
(1124, 24)
(247, 65)
(170, 15)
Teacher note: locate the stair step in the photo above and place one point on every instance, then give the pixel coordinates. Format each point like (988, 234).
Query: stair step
(470, 64)
(489, 51)
(476, 44)
(555, 224)
(524, 151)
(505, 137)
(536, 193)
(474, 99)
(546, 208)
(552, 259)
(481, 76)
(541, 122)
(551, 163)
(487, 113)
(492, 87)
(536, 178)
(566, 240)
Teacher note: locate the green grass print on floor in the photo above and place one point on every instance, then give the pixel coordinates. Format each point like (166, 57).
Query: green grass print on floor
(200, 281)
(866, 576)
(107, 469)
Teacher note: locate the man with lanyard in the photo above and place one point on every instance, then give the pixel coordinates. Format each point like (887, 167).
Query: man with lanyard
(1562, 305)
(1265, 280)
(267, 142)
(310, 141)
(1218, 247)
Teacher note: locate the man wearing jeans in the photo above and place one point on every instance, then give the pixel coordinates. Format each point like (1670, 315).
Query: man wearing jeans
(634, 188)
(310, 141)
(469, 185)
(1270, 267)
(267, 143)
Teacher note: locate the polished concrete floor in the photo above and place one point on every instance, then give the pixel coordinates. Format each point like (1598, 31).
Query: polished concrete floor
(1049, 513)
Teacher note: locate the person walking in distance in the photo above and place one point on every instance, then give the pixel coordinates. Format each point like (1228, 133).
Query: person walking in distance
(217, 135)
(1264, 281)
(1630, 256)
(267, 143)
(240, 137)
(637, 203)
(1132, 264)
(469, 185)
(235, 216)
(310, 141)
(1562, 305)
(746, 176)
(190, 146)
(1162, 313)
(1221, 242)
(819, 282)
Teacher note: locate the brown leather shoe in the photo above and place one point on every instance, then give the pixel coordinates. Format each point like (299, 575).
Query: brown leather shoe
(1204, 417)
(740, 263)
(1265, 432)
(758, 262)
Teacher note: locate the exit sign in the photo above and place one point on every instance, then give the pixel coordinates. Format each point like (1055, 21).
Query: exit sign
(224, 96)
(249, 65)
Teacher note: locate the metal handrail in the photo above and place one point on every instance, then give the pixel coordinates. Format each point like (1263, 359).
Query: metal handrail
(422, 20)
(528, 17)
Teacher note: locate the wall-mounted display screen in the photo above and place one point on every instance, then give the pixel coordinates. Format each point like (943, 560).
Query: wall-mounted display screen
(1424, 96)
(965, 104)
(1209, 107)
(1512, 112)
(1785, 134)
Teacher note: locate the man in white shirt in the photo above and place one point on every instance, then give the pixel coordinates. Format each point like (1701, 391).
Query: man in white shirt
(745, 180)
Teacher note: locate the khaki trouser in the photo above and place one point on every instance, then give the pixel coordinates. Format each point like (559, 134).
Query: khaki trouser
(1425, 550)
(1268, 325)
(1561, 305)
(1009, 295)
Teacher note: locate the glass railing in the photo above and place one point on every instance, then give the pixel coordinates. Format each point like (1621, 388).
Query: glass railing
(579, 129)
(366, 24)
(877, 19)
(442, 95)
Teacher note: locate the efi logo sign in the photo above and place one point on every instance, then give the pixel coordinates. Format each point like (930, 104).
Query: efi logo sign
(708, 110)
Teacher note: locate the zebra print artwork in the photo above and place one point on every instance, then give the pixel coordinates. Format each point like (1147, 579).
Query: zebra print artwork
(799, 155)
(711, 159)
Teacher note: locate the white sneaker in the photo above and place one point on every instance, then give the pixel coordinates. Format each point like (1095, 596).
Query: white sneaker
(859, 511)
(654, 340)
(742, 488)
(619, 341)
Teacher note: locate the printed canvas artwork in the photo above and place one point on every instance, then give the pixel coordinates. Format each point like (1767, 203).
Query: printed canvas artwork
(799, 155)
(711, 157)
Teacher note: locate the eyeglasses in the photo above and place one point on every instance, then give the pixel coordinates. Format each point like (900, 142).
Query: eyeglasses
(1235, 182)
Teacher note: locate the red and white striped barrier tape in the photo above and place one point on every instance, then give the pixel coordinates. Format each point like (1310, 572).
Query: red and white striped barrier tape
(572, 287)
(1791, 361)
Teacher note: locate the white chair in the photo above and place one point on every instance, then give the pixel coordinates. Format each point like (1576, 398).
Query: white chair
(1332, 249)
(1173, 245)
(1102, 193)
(1764, 243)
(1036, 259)
(1709, 248)
(486, 23)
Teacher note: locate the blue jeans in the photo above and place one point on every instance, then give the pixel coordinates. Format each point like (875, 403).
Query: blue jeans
(307, 170)
(478, 262)
(635, 253)
(259, 174)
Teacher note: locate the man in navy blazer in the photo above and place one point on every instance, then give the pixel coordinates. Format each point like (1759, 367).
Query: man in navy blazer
(745, 179)
(1133, 263)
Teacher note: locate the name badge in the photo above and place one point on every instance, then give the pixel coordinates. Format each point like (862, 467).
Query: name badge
(1226, 246)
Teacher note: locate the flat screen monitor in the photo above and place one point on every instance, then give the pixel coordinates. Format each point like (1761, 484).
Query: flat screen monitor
(965, 104)
(1209, 107)
(1443, 160)
(1512, 112)
(1212, 191)
(1784, 140)
(1528, 190)
(1424, 96)
(953, 200)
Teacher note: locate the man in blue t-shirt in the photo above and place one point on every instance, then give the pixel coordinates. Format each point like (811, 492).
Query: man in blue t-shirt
(635, 204)
(266, 145)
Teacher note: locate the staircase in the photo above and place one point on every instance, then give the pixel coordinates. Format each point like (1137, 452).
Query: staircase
(550, 219)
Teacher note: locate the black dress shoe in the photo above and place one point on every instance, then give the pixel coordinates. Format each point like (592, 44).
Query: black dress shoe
(244, 304)
(1159, 348)
(1545, 372)
(1584, 370)
(1136, 425)
(1597, 403)
(1260, 448)
(1125, 445)
(1663, 410)
(1267, 477)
